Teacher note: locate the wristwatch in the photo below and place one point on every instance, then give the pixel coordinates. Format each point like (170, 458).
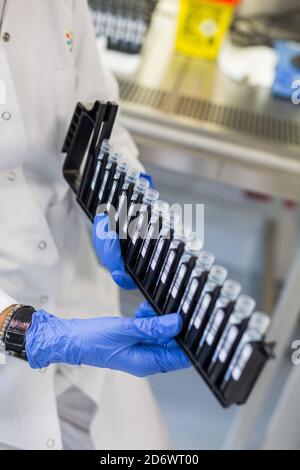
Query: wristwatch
(15, 334)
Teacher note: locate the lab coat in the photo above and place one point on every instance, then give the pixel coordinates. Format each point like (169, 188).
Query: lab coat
(46, 258)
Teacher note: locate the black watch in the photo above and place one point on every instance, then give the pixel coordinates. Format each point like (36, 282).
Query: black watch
(15, 336)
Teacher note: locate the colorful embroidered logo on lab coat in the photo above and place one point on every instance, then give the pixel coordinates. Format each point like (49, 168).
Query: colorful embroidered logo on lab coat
(69, 38)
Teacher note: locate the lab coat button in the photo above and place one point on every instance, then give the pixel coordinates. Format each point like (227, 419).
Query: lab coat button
(6, 37)
(51, 443)
(43, 245)
(6, 116)
(11, 176)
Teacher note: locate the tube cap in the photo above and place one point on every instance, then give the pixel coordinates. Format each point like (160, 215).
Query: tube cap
(231, 289)
(151, 196)
(141, 185)
(260, 322)
(195, 246)
(218, 274)
(132, 175)
(205, 260)
(106, 146)
(161, 208)
(115, 156)
(245, 305)
(122, 167)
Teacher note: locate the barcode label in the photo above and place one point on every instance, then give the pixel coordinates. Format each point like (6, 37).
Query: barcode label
(213, 327)
(147, 241)
(168, 267)
(190, 295)
(201, 312)
(101, 193)
(241, 362)
(112, 194)
(138, 228)
(157, 254)
(178, 281)
(227, 343)
(95, 176)
(122, 200)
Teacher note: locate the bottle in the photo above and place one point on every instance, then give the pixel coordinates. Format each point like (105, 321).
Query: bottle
(194, 288)
(176, 249)
(230, 338)
(142, 185)
(223, 309)
(117, 185)
(257, 328)
(138, 227)
(160, 209)
(160, 251)
(182, 276)
(98, 176)
(205, 306)
(110, 170)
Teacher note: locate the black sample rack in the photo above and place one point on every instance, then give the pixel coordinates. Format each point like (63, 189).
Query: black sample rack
(90, 125)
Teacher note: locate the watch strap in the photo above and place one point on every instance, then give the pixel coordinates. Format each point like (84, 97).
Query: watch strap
(15, 335)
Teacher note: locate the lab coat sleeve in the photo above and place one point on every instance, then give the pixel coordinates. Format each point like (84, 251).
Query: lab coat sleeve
(5, 301)
(94, 81)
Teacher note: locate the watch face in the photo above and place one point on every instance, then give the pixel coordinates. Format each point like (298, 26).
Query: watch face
(19, 325)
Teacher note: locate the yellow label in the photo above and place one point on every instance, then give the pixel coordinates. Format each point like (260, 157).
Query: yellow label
(202, 27)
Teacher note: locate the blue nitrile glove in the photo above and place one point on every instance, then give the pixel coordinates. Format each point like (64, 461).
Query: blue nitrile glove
(141, 346)
(108, 249)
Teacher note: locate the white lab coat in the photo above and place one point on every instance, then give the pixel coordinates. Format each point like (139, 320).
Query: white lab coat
(46, 258)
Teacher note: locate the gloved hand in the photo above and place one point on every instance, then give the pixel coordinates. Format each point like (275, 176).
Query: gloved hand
(108, 249)
(142, 346)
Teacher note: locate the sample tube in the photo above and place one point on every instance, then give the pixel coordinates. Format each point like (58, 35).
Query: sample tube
(205, 306)
(110, 170)
(160, 251)
(194, 288)
(257, 328)
(117, 185)
(139, 227)
(98, 176)
(160, 209)
(230, 338)
(141, 186)
(125, 195)
(216, 324)
(182, 276)
(173, 257)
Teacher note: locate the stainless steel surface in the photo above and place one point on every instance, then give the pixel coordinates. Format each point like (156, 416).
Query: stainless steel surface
(252, 7)
(188, 116)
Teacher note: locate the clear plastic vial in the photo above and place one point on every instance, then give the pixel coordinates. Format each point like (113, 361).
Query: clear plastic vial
(194, 288)
(205, 306)
(217, 321)
(112, 163)
(176, 249)
(118, 181)
(126, 195)
(138, 228)
(257, 328)
(234, 329)
(159, 211)
(142, 185)
(98, 176)
(182, 276)
(170, 222)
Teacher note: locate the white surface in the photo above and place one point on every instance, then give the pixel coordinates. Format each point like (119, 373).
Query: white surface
(254, 64)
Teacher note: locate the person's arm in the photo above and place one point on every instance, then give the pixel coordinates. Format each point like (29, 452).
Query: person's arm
(141, 346)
